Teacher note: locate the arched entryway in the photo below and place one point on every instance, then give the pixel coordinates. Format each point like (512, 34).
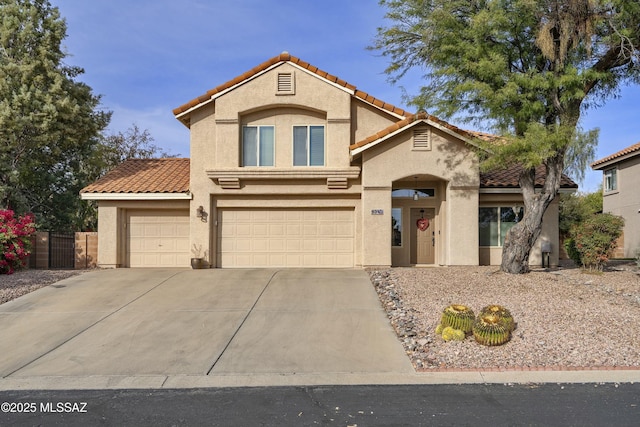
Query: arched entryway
(418, 221)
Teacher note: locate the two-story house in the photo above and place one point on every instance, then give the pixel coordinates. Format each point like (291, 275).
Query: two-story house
(293, 167)
(621, 194)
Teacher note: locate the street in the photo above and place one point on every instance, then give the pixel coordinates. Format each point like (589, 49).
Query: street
(407, 405)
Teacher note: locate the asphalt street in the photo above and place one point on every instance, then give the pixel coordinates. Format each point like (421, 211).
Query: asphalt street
(406, 405)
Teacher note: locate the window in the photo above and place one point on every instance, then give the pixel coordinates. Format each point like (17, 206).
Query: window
(611, 180)
(257, 145)
(423, 193)
(308, 146)
(396, 227)
(495, 222)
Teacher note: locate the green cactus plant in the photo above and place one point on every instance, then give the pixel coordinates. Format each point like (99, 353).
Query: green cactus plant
(439, 329)
(490, 330)
(458, 316)
(450, 334)
(503, 314)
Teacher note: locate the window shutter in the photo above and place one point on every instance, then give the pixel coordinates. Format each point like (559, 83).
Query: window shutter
(285, 82)
(422, 138)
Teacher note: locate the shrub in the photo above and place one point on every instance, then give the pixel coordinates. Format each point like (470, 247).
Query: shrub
(15, 240)
(572, 251)
(595, 239)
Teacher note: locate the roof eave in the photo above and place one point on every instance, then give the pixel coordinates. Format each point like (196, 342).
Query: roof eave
(136, 196)
(357, 151)
(599, 165)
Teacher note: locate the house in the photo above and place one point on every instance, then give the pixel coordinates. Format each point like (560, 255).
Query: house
(293, 167)
(620, 183)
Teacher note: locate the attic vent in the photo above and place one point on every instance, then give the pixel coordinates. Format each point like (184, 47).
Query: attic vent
(422, 139)
(285, 83)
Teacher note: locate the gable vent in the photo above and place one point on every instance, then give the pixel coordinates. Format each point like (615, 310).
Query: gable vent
(422, 138)
(285, 83)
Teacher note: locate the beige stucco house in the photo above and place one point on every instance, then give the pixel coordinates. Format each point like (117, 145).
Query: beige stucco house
(621, 194)
(293, 167)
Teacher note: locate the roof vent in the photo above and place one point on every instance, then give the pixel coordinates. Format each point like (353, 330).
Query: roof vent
(286, 83)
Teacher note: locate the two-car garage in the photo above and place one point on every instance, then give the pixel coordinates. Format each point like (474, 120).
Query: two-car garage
(294, 237)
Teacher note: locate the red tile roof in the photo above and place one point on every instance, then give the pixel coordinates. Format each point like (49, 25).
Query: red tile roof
(508, 178)
(414, 118)
(172, 176)
(144, 176)
(286, 57)
(634, 149)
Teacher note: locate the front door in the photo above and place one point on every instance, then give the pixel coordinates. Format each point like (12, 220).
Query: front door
(423, 240)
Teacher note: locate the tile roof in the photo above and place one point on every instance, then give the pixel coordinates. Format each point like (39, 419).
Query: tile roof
(412, 119)
(165, 175)
(634, 149)
(508, 178)
(286, 57)
(172, 176)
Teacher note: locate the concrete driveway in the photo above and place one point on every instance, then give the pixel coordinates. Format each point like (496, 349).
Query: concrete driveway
(200, 323)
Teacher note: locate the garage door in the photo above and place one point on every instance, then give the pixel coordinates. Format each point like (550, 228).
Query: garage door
(286, 238)
(158, 239)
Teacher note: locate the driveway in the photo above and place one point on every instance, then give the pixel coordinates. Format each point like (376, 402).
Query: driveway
(139, 322)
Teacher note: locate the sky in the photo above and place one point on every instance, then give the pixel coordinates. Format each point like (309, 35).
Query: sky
(147, 57)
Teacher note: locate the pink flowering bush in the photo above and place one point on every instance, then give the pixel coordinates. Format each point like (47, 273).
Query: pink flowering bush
(15, 240)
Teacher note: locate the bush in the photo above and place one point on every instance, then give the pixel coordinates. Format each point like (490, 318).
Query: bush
(595, 239)
(15, 240)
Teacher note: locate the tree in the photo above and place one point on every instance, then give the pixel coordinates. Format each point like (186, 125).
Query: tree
(526, 68)
(110, 151)
(49, 121)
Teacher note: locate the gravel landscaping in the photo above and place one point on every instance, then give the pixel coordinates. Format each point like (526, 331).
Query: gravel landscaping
(565, 318)
(24, 281)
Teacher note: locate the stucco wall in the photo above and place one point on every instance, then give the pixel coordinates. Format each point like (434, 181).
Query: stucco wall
(550, 233)
(625, 202)
(449, 161)
(216, 133)
(111, 226)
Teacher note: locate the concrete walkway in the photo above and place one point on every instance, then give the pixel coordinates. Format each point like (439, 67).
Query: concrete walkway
(135, 328)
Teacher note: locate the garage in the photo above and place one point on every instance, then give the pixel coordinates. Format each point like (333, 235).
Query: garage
(158, 238)
(286, 238)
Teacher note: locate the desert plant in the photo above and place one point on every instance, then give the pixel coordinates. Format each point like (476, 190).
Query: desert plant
(458, 316)
(451, 334)
(504, 315)
(595, 239)
(15, 240)
(490, 330)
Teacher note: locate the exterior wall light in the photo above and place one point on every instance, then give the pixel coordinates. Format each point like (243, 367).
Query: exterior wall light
(199, 212)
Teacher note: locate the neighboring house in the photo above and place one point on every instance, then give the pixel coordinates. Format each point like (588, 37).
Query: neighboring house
(293, 167)
(621, 194)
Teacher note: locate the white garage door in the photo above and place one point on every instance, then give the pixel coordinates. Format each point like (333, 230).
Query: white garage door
(158, 238)
(286, 238)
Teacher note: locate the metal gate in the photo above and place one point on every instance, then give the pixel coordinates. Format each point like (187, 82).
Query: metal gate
(62, 250)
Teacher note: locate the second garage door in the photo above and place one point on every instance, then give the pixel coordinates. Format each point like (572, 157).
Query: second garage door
(158, 238)
(286, 238)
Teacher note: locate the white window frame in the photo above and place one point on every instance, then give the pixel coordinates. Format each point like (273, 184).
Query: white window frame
(308, 142)
(610, 177)
(258, 145)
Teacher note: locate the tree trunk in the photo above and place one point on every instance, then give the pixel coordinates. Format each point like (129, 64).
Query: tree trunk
(522, 236)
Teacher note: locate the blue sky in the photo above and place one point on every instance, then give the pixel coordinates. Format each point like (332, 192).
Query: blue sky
(146, 57)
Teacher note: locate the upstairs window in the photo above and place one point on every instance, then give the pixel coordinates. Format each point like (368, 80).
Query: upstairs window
(610, 180)
(308, 146)
(258, 145)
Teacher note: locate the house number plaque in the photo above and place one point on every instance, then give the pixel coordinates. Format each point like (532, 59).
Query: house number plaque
(377, 211)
